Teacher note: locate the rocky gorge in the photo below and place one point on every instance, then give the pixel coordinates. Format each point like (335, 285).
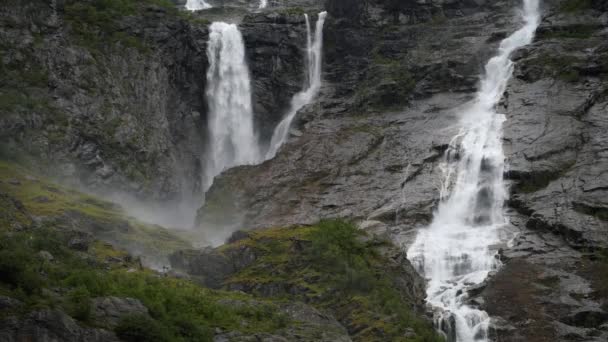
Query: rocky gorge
(109, 96)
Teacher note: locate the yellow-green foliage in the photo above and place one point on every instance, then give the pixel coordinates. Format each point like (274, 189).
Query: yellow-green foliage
(41, 197)
(330, 266)
(179, 309)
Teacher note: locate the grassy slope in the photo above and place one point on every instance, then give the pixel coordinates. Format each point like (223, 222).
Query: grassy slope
(180, 310)
(67, 208)
(331, 266)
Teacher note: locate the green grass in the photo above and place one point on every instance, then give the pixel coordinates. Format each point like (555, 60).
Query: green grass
(331, 267)
(41, 197)
(179, 310)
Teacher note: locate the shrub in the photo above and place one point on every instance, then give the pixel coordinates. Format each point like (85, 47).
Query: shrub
(138, 328)
(79, 303)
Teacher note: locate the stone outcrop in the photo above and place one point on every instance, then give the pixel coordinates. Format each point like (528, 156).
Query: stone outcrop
(114, 98)
(50, 325)
(370, 148)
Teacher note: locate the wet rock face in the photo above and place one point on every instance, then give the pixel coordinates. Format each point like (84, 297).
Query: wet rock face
(111, 104)
(124, 107)
(361, 151)
(556, 147)
(275, 45)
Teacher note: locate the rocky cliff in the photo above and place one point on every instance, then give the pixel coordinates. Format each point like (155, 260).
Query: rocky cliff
(110, 95)
(369, 148)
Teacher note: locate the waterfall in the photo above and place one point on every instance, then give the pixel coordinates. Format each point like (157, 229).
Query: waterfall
(314, 50)
(195, 5)
(457, 250)
(263, 3)
(230, 119)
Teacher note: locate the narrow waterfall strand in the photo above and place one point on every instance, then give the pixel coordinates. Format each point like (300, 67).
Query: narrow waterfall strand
(314, 57)
(455, 251)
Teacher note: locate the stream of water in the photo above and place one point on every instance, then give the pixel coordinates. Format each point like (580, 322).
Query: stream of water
(314, 58)
(457, 250)
(232, 140)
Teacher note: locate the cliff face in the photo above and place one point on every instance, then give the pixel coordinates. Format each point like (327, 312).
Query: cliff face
(117, 97)
(369, 148)
(113, 98)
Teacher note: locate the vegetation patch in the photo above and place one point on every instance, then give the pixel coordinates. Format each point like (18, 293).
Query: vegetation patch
(562, 67)
(332, 266)
(570, 6)
(65, 207)
(179, 310)
(388, 84)
(570, 31)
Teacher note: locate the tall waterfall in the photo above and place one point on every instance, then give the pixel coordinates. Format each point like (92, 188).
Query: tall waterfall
(230, 118)
(195, 5)
(456, 251)
(314, 50)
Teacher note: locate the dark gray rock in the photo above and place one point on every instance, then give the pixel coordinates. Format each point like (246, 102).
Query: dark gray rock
(8, 303)
(108, 311)
(309, 325)
(52, 326)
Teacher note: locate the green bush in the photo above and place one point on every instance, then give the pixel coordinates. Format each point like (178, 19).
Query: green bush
(184, 311)
(79, 303)
(336, 267)
(139, 328)
(19, 267)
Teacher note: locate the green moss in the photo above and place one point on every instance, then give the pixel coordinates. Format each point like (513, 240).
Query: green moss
(570, 6)
(388, 83)
(571, 31)
(562, 67)
(330, 266)
(96, 24)
(597, 212)
(181, 310)
(41, 197)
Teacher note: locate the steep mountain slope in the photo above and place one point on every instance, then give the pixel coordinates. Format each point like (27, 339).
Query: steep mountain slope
(370, 148)
(109, 95)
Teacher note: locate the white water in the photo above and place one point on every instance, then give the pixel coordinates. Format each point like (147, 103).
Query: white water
(314, 51)
(195, 5)
(230, 119)
(456, 251)
(263, 3)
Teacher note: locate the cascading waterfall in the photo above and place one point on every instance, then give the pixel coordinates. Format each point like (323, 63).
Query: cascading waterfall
(230, 119)
(195, 5)
(457, 250)
(314, 50)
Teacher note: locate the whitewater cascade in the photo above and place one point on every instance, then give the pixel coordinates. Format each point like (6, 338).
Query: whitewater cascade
(314, 51)
(232, 140)
(263, 4)
(458, 249)
(195, 5)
